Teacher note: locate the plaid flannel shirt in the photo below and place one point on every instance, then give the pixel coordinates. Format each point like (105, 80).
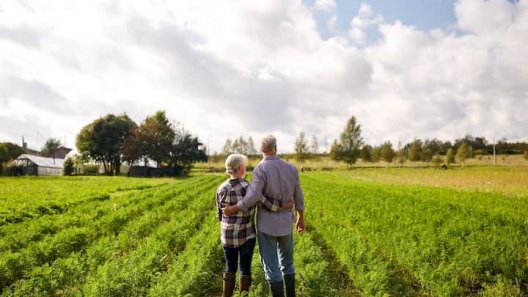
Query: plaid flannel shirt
(238, 228)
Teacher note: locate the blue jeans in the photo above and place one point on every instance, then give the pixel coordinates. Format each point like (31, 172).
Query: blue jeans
(245, 252)
(276, 254)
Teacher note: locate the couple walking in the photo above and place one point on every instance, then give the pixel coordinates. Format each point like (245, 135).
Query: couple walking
(274, 191)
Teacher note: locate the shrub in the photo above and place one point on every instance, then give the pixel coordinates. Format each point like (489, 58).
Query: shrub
(68, 166)
(90, 169)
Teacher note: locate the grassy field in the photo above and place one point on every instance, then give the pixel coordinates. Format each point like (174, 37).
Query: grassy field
(370, 232)
(325, 163)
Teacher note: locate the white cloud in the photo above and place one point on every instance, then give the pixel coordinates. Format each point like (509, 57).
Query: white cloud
(365, 20)
(228, 68)
(325, 5)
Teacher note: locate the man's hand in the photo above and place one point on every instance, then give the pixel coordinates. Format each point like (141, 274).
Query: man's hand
(230, 210)
(300, 225)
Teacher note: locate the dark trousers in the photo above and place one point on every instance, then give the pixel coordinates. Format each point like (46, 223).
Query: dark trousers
(245, 252)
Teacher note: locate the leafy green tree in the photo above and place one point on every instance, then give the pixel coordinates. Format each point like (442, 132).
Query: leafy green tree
(133, 147)
(427, 155)
(350, 142)
(433, 145)
(102, 140)
(450, 157)
(400, 155)
(301, 148)
(314, 147)
(157, 135)
(436, 160)
(463, 153)
(387, 154)
(415, 151)
(8, 152)
(376, 154)
(366, 153)
(335, 151)
(50, 147)
(186, 150)
(68, 166)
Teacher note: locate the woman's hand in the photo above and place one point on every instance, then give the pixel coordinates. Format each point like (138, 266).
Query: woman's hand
(230, 210)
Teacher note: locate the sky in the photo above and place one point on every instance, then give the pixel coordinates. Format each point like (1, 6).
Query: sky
(405, 69)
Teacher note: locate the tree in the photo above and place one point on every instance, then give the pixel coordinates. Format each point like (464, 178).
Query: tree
(314, 146)
(427, 155)
(158, 136)
(433, 145)
(400, 155)
(526, 154)
(415, 151)
(376, 154)
(301, 148)
(50, 147)
(67, 168)
(186, 150)
(350, 142)
(463, 152)
(335, 151)
(387, 154)
(8, 152)
(366, 153)
(436, 160)
(227, 147)
(251, 147)
(471, 152)
(450, 157)
(133, 147)
(102, 140)
(240, 146)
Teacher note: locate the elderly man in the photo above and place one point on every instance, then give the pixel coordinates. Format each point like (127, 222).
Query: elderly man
(275, 179)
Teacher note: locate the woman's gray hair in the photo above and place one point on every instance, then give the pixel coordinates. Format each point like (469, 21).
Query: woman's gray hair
(268, 143)
(233, 161)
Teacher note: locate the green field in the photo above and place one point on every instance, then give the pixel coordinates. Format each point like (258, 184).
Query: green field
(370, 232)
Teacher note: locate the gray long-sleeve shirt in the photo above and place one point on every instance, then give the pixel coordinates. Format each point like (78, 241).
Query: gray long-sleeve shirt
(278, 179)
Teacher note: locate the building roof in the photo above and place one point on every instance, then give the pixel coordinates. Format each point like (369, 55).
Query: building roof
(41, 161)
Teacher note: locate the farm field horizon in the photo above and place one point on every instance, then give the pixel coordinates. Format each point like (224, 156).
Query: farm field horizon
(370, 232)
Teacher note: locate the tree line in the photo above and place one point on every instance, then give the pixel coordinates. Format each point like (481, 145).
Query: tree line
(113, 139)
(350, 147)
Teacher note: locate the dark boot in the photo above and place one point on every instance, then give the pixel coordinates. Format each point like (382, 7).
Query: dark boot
(229, 284)
(245, 283)
(276, 289)
(289, 283)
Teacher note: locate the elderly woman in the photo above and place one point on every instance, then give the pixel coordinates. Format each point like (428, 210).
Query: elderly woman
(238, 230)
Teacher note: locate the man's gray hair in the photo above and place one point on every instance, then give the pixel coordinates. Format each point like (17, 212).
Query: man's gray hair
(268, 144)
(233, 161)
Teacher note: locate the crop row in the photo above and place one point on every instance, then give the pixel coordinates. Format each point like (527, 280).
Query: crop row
(28, 198)
(17, 236)
(100, 231)
(411, 240)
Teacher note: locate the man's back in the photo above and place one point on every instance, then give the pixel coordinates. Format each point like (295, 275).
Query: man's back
(276, 179)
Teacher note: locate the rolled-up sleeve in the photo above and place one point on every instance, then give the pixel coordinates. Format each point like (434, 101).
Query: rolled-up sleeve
(298, 195)
(218, 206)
(254, 192)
